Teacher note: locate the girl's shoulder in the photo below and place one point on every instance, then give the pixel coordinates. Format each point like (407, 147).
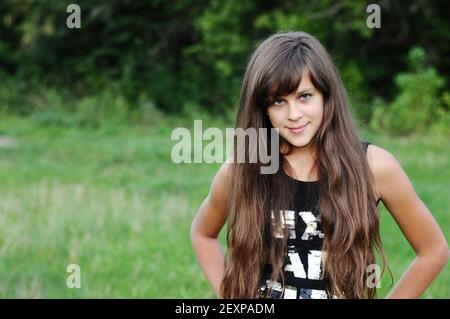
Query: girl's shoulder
(384, 167)
(380, 160)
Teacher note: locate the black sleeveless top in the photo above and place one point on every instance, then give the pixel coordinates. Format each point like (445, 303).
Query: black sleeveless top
(303, 272)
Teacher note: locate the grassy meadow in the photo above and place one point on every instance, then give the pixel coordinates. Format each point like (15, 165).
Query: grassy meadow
(111, 201)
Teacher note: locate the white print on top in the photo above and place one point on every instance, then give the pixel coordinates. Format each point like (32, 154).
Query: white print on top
(290, 293)
(312, 294)
(314, 265)
(311, 225)
(288, 220)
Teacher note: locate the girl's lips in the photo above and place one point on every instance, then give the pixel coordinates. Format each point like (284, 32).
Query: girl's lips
(298, 129)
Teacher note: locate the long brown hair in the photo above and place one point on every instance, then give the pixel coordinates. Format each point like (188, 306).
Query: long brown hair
(346, 203)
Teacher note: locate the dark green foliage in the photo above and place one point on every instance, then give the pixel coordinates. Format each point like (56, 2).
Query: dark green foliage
(416, 108)
(174, 54)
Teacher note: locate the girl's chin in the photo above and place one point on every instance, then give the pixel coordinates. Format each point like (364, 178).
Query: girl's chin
(298, 142)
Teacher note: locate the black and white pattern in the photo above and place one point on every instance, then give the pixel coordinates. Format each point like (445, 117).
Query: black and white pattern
(304, 260)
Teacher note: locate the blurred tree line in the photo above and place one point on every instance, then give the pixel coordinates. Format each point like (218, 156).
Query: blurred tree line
(132, 58)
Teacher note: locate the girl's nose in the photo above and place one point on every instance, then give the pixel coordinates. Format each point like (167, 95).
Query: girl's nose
(294, 112)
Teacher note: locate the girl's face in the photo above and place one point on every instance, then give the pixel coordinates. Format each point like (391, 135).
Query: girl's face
(298, 115)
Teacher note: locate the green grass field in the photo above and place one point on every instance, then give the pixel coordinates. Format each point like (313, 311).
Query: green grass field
(111, 201)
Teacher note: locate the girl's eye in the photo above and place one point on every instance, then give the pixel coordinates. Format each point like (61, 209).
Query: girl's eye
(278, 102)
(305, 97)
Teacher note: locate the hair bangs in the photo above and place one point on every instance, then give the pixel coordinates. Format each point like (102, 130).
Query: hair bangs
(283, 79)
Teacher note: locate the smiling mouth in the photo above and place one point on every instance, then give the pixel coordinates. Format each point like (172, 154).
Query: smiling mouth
(298, 129)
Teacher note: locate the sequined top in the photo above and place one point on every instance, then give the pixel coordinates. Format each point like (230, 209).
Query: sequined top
(303, 266)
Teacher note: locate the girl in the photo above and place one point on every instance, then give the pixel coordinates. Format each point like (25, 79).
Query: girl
(311, 229)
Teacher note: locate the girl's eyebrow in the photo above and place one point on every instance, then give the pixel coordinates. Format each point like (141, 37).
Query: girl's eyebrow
(307, 90)
(304, 91)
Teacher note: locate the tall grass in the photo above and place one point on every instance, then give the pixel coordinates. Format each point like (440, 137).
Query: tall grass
(110, 200)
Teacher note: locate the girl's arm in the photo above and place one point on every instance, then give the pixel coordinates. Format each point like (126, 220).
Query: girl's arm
(394, 188)
(206, 227)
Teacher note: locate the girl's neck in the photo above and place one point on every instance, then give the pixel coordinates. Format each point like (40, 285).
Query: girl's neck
(302, 161)
(305, 154)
